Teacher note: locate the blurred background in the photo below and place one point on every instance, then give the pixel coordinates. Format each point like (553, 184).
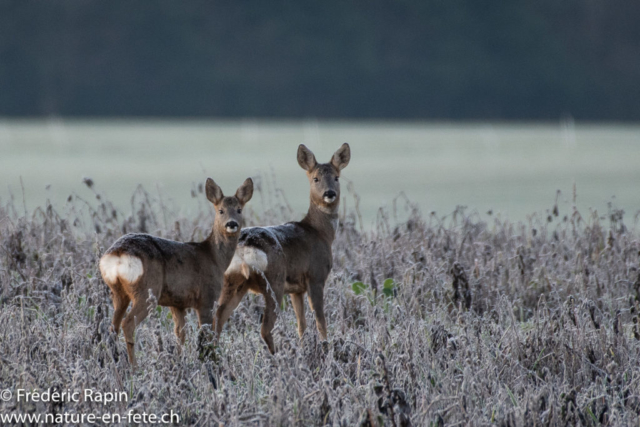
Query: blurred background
(492, 105)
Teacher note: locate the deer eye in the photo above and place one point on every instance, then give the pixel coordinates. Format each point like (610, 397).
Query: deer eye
(220, 211)
(336, 178)
(239, 210)
(315, 180)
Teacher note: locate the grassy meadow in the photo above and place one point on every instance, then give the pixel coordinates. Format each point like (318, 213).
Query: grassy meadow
(458, 318)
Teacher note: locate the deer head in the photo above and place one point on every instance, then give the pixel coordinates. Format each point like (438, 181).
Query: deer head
(228, 209)
(324, 178)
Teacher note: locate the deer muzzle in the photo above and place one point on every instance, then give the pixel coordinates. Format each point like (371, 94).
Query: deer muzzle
(329, 196)
(232, 227)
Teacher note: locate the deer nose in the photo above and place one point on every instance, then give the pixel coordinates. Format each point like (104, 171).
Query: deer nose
(231, 226)
(329, 194)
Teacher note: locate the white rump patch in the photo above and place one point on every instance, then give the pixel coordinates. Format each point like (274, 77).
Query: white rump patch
(236, 264)
(246, 259)
(128, 268)
(256, 258)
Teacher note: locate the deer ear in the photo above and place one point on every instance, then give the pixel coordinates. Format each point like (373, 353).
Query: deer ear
(245, 191)
(214, 192)
(306, 159)
(341, 158)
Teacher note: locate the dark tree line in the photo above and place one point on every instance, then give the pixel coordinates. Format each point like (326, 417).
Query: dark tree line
(440, 59)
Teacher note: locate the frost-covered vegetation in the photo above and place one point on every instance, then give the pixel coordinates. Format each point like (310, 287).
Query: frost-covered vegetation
(432, 321)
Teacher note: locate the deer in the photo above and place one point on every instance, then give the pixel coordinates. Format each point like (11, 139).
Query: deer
(179, 275)
(293, 258)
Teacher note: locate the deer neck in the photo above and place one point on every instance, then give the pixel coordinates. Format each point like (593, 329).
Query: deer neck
(323, 219)
(223, 247)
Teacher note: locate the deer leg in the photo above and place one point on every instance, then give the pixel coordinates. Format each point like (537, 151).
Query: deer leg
(205, 316)
(137, 314)
(297, 301)
(269, 321)
(316, 302)
(179, 322)
(228, 302)
(120, 303)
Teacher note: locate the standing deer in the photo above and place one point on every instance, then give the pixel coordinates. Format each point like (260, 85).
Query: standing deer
(293, 258)
(179, 275)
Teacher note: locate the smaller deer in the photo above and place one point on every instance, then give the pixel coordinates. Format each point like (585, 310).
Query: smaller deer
(179, 275)
(293, 258)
